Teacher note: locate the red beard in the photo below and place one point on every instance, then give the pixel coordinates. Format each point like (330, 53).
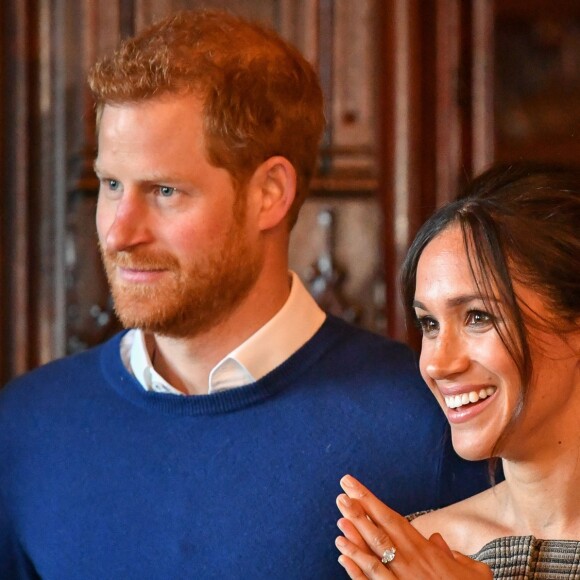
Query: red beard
(186, 299)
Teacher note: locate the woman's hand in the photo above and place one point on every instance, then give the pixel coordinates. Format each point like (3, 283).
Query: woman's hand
(372, 532)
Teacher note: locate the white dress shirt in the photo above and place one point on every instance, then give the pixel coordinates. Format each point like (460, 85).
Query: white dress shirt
(290, 328)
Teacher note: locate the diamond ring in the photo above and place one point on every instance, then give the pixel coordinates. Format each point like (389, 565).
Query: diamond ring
(388, 555)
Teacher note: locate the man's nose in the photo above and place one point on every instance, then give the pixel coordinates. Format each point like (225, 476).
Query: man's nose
(128, 223)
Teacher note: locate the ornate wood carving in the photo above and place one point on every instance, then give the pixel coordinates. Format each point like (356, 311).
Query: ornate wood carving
(47, 47)
(50, 208)
(347, 65)
(326, 277)
(18, 47)
(409, 118)
(538, 81)
(89, 317)
(3, 212)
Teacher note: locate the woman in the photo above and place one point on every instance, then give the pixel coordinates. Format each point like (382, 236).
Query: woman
(493, 282)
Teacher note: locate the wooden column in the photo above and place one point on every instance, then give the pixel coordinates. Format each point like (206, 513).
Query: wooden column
(19, 43)
(436, 118)
(406, 140)
(3, 216)
(483, 83)
(46, 152)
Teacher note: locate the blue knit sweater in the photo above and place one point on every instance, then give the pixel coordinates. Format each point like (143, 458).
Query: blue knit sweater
(101, 479)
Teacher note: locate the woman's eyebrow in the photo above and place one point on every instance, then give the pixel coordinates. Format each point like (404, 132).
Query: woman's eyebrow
(457, 300)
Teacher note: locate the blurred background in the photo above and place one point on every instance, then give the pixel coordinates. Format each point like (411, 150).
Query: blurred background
(420, 96)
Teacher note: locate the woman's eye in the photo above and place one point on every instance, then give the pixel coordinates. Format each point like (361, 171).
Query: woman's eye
(478, 318)
(427, 325)
(166, 191)
(113, 184)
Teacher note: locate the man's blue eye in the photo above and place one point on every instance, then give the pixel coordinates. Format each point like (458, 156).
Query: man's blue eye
(166, 191)
(113, 184)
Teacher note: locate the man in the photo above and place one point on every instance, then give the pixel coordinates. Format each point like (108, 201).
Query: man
(207, 441)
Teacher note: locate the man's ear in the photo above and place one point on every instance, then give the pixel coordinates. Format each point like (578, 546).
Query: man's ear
(274, 183)
(573, 339)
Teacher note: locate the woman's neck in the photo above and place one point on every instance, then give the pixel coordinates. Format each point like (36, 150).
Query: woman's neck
(541, 497)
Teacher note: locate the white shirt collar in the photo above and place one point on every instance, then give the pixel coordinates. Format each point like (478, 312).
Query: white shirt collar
(290, 328)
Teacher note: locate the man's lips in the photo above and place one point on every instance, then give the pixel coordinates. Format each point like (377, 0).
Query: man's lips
(137, 274)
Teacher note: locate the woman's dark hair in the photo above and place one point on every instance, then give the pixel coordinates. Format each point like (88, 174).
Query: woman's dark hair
(520, 223)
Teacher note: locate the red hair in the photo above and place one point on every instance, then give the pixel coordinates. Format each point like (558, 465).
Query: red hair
(260, 96)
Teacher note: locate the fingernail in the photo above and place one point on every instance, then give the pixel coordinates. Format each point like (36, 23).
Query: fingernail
(341, 561)
(340, 542)
(344, 500)
(348, 481)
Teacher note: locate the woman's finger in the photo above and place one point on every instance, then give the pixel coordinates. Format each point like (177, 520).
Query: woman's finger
(373, 506)
(351, 568)
(368, 564)
(351, 533)
(437, 540)
(375, 537)
(383, 530)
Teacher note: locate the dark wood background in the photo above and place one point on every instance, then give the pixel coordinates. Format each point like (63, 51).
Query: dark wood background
(421, 95)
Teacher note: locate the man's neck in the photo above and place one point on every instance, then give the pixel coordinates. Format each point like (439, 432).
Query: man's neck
(186, 363)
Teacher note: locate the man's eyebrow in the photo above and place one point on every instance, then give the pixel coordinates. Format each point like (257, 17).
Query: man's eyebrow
(156, 177)
(152, 178)
(100, 170)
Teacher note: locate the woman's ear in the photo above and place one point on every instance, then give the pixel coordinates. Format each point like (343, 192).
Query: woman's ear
(274, 184)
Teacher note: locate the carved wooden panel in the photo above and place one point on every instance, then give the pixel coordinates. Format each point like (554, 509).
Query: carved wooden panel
(88, 315)
(148, 11)
(355, 254)
(537, 96)
(420, 95)
(349, 48)
(17, 51)
(338, 37)
(47, 46)
(4, 345)
(55, 292)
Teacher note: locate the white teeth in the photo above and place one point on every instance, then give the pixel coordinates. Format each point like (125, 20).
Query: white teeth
(456, 401)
